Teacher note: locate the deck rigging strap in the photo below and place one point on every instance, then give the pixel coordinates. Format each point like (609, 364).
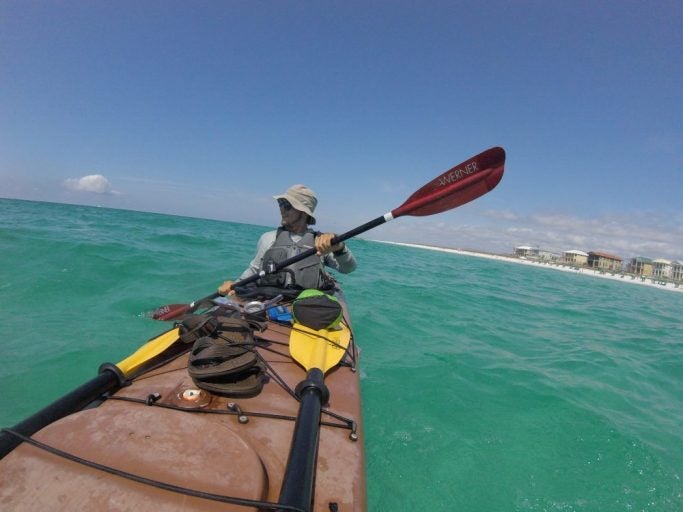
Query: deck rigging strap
(345, 423)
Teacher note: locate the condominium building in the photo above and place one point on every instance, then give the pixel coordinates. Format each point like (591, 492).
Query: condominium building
(661, 268)
(641, 266)
(574, 257)
(605, 261)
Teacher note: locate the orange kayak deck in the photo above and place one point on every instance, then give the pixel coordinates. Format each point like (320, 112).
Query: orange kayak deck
(193, 440)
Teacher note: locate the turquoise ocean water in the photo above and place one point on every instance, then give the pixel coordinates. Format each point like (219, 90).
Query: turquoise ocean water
(487, 386)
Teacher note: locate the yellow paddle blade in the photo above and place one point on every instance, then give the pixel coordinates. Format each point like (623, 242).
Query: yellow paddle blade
(151, 349)
(321, 349)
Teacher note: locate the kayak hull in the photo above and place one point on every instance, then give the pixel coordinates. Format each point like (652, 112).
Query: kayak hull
(190, 449)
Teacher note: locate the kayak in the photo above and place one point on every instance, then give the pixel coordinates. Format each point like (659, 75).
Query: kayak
(158, 432)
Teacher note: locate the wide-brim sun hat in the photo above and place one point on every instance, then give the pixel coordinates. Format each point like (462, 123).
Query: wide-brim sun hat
(301, 198)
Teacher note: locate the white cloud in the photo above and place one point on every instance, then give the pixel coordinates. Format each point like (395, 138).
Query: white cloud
(94, 183)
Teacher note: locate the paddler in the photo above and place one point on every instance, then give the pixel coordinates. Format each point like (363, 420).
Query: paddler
(293, 236)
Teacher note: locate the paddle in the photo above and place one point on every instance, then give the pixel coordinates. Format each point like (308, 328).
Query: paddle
(110, 378)
(455, 187)
(317, 351)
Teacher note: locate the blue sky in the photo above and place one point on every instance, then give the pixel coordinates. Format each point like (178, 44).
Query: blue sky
(207, 109)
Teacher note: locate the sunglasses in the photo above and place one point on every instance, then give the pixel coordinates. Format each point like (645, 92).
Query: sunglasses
(284, 204)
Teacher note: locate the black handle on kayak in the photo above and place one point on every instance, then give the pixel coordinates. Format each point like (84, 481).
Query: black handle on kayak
(297, 484)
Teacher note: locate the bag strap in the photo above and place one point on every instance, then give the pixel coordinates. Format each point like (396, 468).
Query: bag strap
(196, 327)
(212, 359)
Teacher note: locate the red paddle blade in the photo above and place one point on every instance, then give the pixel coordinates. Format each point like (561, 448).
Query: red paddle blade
(170, 311)
(457, 186)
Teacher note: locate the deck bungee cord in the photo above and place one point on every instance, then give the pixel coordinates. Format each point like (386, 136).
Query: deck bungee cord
(242, 502)
(234, 409)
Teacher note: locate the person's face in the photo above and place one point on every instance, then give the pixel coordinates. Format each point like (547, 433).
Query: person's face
(290, 216)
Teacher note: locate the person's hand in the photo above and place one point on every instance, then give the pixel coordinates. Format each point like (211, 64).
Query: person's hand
(323, 244)
(226, 288)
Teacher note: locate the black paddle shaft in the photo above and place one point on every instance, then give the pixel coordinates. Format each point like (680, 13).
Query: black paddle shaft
(297, 484)
(310, 252)
(294, 259)
(108, 380)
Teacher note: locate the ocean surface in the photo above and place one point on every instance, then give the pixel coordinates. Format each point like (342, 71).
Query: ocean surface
(487, 386)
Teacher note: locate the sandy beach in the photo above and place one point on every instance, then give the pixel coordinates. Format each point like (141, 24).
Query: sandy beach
(615, 276)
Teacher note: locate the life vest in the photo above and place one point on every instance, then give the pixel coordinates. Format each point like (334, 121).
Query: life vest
(307, 273)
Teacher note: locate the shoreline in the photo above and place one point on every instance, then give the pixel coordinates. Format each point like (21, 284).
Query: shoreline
(603, 274)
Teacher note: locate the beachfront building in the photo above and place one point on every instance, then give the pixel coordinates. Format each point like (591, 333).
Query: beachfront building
(640, 266)
(526, 251)
(661, 268)
(604, 261)
(677, 270)
(548, 256)
(575, 258)
(534, 253)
